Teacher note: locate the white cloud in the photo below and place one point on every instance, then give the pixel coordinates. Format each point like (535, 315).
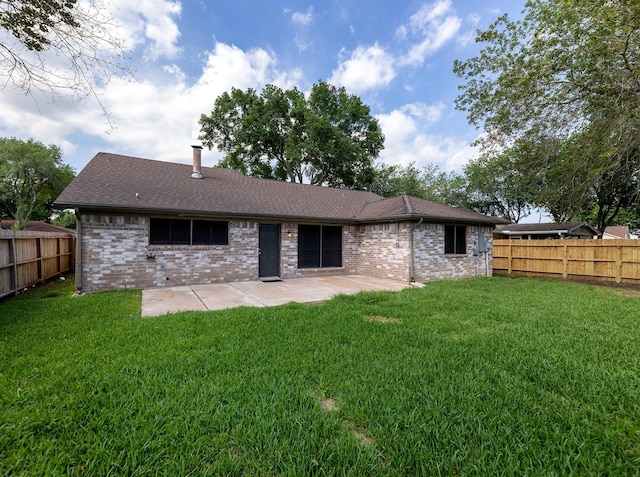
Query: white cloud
(150, 24)
(368, 68)
(466, 39)
(432, 27)
(164, 117)
(474, 19)
(402, 32)
(407, 139)
(428, 14)
(303, 18)
(157, 116)
(154, 117)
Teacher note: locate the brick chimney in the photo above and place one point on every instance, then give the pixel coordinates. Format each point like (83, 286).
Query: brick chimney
(197, 162)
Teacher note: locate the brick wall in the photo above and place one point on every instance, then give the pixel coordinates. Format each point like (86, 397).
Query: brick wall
(383, 250)
(115, 253)
(431, 263)
(288, 250)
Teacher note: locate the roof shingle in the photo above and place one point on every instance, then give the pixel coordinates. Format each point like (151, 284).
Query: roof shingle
(122, 183)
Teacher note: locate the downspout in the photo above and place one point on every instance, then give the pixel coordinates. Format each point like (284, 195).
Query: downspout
(78, 252)
(486, 257)
(412, 271)
(477, 248)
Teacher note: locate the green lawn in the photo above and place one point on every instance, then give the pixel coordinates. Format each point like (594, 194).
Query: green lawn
(489, 376)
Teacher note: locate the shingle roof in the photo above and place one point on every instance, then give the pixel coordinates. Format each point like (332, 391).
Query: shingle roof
(37, 226)
(546, 227)
(621, 231)
(407, 206)
(122, 183)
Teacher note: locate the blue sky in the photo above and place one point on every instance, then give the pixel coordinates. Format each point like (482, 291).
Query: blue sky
(397, 56)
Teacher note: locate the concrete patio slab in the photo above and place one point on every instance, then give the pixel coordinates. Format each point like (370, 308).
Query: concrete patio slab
(223, 295)
(158, 301)
(218, 296)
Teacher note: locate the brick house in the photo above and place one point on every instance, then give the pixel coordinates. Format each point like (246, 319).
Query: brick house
(145, 223)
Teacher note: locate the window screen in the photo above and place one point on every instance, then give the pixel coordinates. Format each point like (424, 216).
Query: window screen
(308, 246)
(170, 231)
(188, 232)
(319, 246)
(209, 232)
(331, 246)
(455, 239)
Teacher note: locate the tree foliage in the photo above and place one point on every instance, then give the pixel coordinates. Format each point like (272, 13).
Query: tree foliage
(32, 175)
(562, 85)
(495, 186)
(327, 138)
(65, 219)
(59, 46)
(427, 182)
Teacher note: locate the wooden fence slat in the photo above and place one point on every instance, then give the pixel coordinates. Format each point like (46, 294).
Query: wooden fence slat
(27, 258)
(608, 260)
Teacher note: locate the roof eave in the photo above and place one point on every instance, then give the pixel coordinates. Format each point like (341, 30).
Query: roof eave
(533, 232)
(200, 213)
(432, 218)
(276, 217)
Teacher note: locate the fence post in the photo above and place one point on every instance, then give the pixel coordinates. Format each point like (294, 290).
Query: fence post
(39, 258)
(565, 262)
(619, 265)
(59, 253)
(510, 266)
(13, 271)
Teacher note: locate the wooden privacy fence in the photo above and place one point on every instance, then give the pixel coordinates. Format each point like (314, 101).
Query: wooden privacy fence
(607, 260)
(27, 258)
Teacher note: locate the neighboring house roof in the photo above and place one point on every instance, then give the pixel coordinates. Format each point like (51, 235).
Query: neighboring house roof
(37, 226)
(617, 231)
(565, 228)
(121, 183)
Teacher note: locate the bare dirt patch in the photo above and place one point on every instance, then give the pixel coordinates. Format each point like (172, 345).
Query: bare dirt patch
(329, 405)
(326, 403)
(363, 438)
(622, 289)
(380, 319)
(633, 292)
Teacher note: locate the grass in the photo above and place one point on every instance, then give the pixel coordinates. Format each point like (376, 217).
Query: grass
(490, 376)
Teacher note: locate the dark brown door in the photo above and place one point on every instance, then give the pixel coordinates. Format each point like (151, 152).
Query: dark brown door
(269, 250)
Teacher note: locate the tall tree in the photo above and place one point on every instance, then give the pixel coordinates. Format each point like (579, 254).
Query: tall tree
(329, 138)
(59, 46)
(32, 175)
(427, 182)
(567, 74)
(495, 186)
(341, 138)
(397, 180)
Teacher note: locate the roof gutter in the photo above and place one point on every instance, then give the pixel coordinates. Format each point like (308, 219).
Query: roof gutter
(111, 209)
(533, 232)
(429, 218)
